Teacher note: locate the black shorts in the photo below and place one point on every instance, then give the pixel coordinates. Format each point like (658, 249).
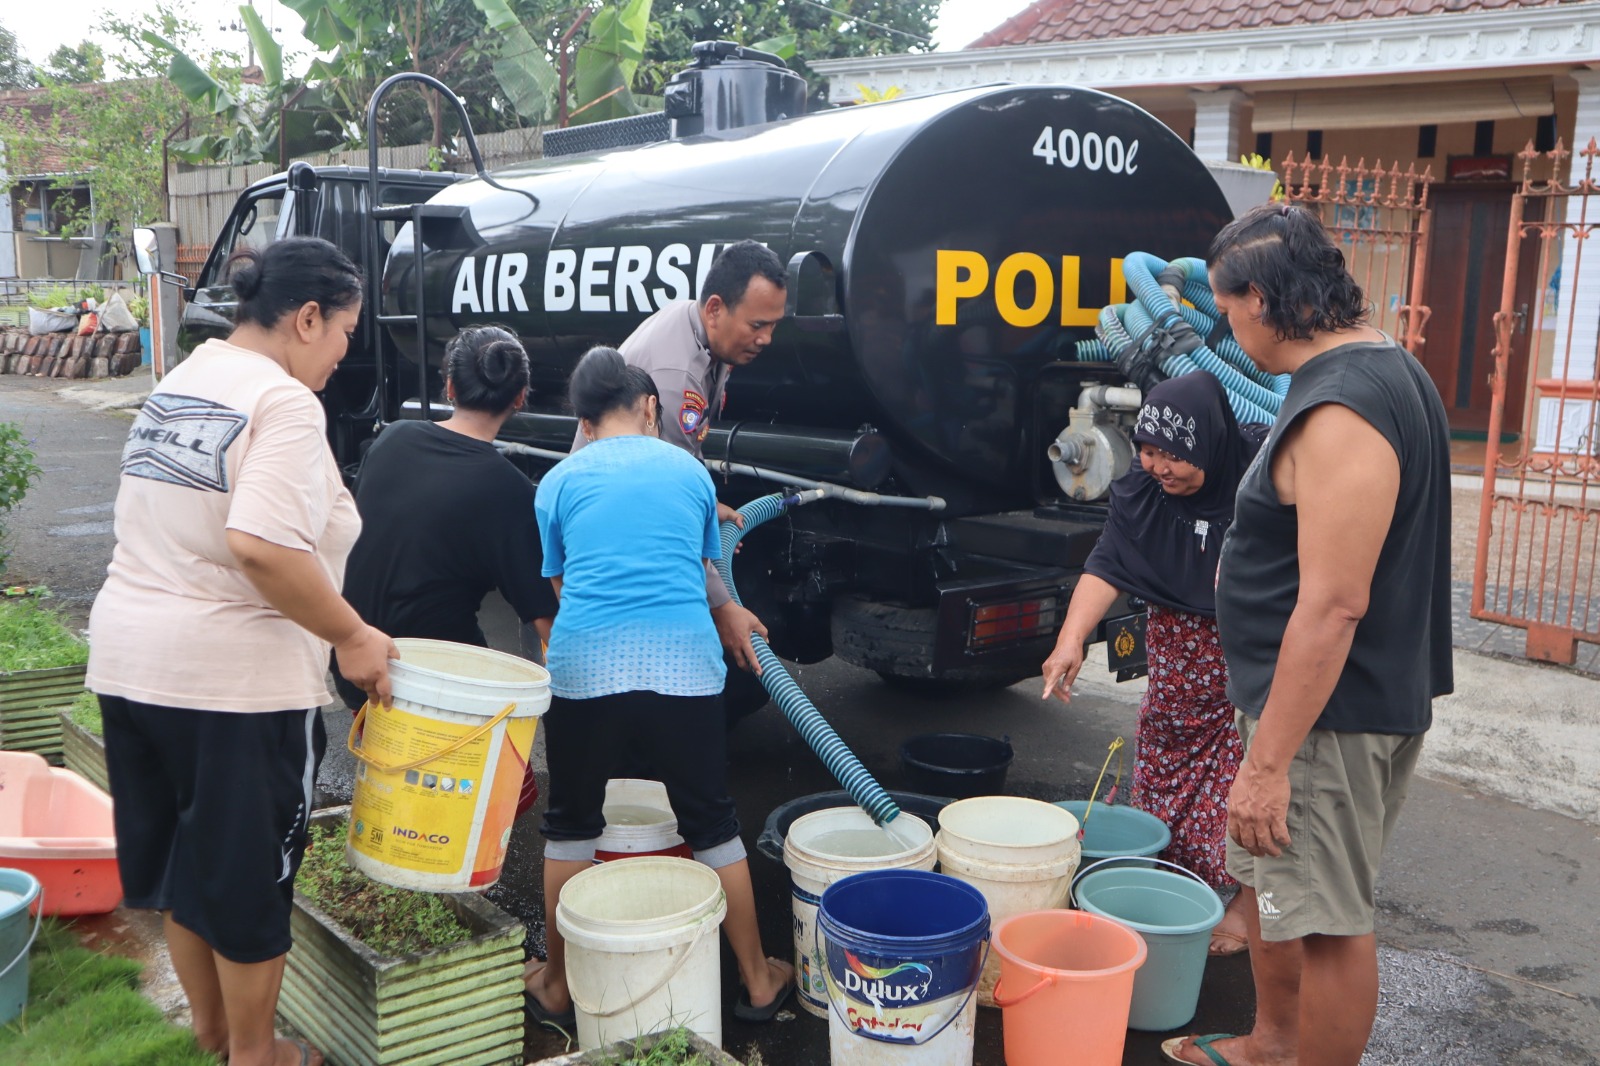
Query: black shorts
(678, 740)
(211, 810)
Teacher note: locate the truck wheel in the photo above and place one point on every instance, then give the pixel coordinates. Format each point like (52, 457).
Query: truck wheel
(897, 643)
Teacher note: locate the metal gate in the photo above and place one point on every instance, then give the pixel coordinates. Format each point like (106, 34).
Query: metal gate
(1539, 522)
(1380, 217)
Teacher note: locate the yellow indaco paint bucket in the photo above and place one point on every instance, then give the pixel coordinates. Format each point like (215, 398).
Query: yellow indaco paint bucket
(438, 773)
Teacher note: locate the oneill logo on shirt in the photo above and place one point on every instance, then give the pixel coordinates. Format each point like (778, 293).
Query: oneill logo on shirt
(182, 440)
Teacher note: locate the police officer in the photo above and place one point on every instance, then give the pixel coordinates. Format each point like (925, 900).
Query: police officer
(689, 348)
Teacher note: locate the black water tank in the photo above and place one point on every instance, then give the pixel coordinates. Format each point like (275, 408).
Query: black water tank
(731, 86)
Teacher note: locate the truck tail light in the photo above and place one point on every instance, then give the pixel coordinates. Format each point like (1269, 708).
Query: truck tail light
(1001, 623)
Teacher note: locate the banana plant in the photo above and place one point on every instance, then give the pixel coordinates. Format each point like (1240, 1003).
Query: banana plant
(246, 130)
(521, 67)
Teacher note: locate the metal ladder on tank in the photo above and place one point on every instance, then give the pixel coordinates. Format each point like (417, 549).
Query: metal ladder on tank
(443, 216)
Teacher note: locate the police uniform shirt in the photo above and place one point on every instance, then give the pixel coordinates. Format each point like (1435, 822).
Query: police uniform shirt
(671, 347)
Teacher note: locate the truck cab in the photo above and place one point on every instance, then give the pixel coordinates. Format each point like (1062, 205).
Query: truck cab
(305, 201)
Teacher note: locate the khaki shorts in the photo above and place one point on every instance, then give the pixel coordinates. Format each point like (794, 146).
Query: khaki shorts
(1345, 795)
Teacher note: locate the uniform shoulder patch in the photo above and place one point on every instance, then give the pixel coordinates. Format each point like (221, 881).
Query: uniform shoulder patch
(692, 415)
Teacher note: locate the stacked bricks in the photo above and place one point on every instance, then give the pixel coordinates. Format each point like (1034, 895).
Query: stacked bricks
(66, 355)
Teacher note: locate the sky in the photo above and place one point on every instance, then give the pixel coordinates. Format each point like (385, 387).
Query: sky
(42, 27)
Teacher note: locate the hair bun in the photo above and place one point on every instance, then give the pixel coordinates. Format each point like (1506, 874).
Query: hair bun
(247, 274)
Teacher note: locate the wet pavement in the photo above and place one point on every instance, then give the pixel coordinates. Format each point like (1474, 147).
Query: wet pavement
(1487, 908)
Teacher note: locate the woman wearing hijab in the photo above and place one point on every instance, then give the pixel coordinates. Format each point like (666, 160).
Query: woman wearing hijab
(1161, 543)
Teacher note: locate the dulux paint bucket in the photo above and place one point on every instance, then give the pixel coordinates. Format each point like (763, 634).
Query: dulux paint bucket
(438, 773)
(830, 845)
(903, 950)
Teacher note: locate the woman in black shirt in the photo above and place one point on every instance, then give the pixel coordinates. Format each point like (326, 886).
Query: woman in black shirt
(445, 517)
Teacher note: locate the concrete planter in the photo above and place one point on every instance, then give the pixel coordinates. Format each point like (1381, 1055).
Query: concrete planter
(454, 1006)
(622, 1050)
(84, 752)
(30, 705)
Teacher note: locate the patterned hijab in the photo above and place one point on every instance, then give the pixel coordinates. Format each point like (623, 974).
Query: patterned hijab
(1164, 548)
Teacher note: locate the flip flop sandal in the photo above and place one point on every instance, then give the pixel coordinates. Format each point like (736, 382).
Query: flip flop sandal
(1227, 944)
(565, 1023)
(745, 1011)
(1170, 1048)
(305, 1051)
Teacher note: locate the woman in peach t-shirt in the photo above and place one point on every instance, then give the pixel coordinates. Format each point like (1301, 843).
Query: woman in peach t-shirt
(209, 640)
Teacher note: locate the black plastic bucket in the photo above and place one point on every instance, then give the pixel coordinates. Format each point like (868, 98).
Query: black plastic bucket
(960, 765)
(782, 817)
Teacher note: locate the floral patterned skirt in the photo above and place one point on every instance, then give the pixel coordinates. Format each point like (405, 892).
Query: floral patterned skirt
(1188, 749)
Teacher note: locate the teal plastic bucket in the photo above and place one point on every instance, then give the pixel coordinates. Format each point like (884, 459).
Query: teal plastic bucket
(1111, 831)
(18, 890)
(1175, 913)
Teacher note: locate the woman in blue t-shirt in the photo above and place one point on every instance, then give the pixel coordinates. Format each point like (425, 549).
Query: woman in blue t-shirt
(635, 663)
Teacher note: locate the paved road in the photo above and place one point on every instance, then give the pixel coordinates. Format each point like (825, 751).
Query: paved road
(1486, 912)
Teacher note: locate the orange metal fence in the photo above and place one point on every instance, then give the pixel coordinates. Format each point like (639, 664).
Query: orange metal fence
(1539, 520)
(1380, 216)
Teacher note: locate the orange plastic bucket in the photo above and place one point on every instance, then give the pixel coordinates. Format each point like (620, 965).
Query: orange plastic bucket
(1065, 973)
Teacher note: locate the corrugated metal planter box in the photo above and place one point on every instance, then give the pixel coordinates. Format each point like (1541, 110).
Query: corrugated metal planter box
(30, 705)
(454, 1006)
(622, 1050)
(84, 752)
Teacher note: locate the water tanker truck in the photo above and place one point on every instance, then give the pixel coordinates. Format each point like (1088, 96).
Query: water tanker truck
(945, 252)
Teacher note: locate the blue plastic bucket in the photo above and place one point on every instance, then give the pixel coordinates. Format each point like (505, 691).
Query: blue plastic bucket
(18, 890)
(1111, 831)
(902, 952)
(1175, 913)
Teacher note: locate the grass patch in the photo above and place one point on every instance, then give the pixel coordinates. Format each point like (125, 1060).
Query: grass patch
(85, 713)
(672, 1048)
(33, 638)
(391, 921)
(84, 1009)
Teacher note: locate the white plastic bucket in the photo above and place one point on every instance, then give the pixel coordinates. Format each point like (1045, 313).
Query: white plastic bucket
(814, 864)
(1020, 853)
(439, 772)
(639, 821)
(642, 951)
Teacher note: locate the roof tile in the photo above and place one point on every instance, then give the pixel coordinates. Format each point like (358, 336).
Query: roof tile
(1068, 20)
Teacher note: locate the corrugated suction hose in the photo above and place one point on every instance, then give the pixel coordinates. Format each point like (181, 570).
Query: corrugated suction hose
(1155, 337)
(796, 706)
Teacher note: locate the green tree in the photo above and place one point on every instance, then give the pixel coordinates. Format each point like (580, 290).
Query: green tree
(15, 70)
(75, 66)
(109, 136)
(822, 29)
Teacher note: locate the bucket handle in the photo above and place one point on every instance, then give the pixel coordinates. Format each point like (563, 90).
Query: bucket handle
(353, 745)
(988, 944)
(672, 972)
(1002, 1002)
(1130, 858)
(38, 919)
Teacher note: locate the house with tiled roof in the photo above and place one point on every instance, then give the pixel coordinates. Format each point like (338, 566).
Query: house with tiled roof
(37, 195)
(1458, 87)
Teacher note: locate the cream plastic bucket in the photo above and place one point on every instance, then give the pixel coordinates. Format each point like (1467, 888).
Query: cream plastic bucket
(439, 772)
(639, 821)
(1020, 853)
(642, 952)
(814, 865)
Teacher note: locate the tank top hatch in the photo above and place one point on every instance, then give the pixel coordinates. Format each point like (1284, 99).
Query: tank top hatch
(1400, 657)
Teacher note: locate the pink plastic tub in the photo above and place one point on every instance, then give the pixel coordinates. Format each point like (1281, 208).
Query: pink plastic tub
(57, 827)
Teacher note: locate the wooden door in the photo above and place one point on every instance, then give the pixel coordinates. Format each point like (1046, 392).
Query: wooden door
(1466, 275)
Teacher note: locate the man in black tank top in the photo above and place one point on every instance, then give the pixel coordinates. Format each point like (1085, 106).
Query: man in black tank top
(1333, 604)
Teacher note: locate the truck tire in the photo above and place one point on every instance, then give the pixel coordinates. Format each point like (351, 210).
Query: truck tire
(897, 643)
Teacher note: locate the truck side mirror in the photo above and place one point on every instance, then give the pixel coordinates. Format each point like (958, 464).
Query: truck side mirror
(145, 252)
